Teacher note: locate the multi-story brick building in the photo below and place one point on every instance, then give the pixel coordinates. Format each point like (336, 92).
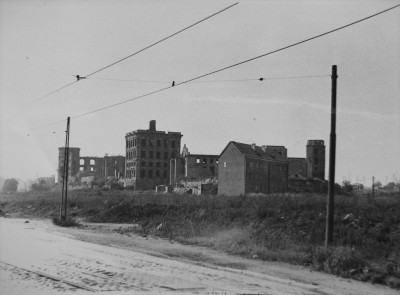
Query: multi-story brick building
(315, 159)
(245, 168)
(109, 166)
(148, 155)
(313, 166)
(193, 166)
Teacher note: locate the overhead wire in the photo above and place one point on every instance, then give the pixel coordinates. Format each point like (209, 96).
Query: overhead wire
(141, 50)
(210, 81)
(227, 67)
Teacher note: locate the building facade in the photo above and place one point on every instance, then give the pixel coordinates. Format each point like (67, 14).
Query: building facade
(245, 168)
(148, 155)
(193, 166)
(109, 166)
(315, 159)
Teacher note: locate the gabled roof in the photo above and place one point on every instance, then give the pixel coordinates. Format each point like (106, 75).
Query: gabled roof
(257, 152)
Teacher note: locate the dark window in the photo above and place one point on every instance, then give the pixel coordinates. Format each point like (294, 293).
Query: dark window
(165, 143)
(212, 169)
(211, 161)
(151, 142)
(150, 164)
(165, 164)
(165, 155)
(150, 173)
(173, 143)
(173, 155)
(204, 161)
(142, 173)
(158, 164)
(157, 173)
(143, 154)
(158, 143)
(165, 173)
(143, 142)
(151, 154)
(158, 155)
(143, 164)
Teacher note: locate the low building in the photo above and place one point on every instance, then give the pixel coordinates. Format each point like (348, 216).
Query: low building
(247, 168)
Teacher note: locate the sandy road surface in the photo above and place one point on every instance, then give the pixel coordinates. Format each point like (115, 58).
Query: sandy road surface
(39, 258)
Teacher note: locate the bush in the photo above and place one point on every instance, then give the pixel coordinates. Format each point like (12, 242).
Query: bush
(10, 185)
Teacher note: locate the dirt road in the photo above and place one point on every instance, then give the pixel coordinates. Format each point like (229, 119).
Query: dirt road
(40, 258)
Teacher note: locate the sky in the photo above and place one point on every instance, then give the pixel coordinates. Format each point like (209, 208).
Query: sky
(44, 44)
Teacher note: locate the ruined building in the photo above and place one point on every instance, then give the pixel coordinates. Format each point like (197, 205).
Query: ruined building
(148, 155)
(247, 168)
(193, 166)
(313, 166)
(109, 166)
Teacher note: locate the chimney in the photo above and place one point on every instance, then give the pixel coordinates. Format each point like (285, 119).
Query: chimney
(253, 146)
(264, 148)
(152, 125)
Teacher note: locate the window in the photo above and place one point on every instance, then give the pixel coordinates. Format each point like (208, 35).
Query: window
(157, 173)
(143, 154)
(150, 173)
(150, 164)
(224, 164)
(165, 155)
(143, 142)
(134, 172)
(92, 169)
(142, 173)
(158, 155)
(92, 162)
(82, 161)
(198, 161)
(151, 154)
(165, 143)
(173, 143)
(80, 168)
(143, 163)
(158, 143)
(151, 141)
(204, 161)
(211, 161)
(165, 164)
(173, 155)
(212, 169)
(216, 161)
(158, 164)
(165, 173)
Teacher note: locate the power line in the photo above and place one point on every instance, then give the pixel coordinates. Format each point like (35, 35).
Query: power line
(236, 64)
(141, 50)
(211, 81)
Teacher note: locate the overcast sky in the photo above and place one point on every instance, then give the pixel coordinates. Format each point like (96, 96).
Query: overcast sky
(43, 44)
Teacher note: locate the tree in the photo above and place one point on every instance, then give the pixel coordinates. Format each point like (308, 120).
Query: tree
(10, 185)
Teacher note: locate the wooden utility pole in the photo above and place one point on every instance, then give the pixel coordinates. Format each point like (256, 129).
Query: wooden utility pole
(332, 157)
(64, 193)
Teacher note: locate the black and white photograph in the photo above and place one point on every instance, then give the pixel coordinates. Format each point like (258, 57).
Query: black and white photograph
(200, 147)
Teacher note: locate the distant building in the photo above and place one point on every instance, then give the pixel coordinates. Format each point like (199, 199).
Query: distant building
(315, 159)
(109, 166)
(193, 166)
(148, 155)
(313, 166)
(247, 168)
